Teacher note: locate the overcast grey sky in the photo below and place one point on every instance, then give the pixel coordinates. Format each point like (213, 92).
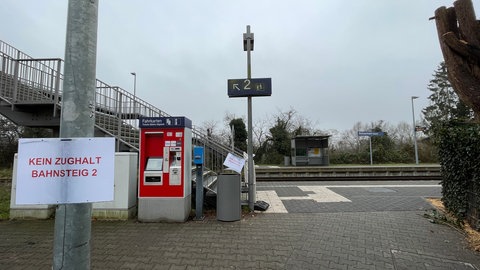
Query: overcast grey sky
(336, 62)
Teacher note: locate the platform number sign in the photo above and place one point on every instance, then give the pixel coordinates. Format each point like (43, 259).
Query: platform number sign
(249, 87)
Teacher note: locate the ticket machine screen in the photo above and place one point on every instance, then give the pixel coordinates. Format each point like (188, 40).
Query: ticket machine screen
(154, 164)
(153, 171)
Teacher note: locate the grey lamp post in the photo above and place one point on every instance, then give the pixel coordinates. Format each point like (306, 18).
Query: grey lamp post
(414, 131)
(134, 91)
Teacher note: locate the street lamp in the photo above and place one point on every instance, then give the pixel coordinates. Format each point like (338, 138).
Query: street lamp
(134, 83)
(415, 131)
(134, 90)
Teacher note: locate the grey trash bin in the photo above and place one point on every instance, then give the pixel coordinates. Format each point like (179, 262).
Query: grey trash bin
(229, 206)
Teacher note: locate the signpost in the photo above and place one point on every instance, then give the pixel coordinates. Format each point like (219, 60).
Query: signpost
(249, 87)
(370, 134)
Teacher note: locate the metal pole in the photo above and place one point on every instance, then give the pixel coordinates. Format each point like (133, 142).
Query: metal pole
(371, 152)
(233, 138)
(199, 193)
(251, 182)
(134, 84)
(57, 86)
(73, 221)
(119, 117)
(414, 131)
(134, 92)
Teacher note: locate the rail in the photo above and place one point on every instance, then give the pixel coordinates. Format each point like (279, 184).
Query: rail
(344, 173)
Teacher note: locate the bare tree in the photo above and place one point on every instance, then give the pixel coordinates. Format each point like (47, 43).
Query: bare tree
(260, 132)
(349, 138)
(213, 132)
(402, 133)
(209, 128)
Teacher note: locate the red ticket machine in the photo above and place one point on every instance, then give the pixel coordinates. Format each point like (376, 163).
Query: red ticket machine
(165, 175)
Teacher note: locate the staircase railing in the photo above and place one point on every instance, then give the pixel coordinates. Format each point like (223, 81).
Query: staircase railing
(25, 80)
(118, 111)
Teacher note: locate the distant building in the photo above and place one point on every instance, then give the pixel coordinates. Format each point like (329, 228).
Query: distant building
(310, 151)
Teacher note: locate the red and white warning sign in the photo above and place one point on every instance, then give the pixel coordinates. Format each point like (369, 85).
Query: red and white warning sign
(57, 171)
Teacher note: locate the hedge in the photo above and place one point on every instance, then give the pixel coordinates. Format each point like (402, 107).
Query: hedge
(459, 156)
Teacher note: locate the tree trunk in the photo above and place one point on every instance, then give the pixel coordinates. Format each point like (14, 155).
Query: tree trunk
(459, 36)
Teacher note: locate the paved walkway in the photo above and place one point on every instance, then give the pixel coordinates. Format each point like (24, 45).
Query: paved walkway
(350, 238)
(321, 197)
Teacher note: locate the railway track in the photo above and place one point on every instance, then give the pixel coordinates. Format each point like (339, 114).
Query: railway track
(351, 178)
(350, 173)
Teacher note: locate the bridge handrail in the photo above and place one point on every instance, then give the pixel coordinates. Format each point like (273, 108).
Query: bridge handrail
(117, 110)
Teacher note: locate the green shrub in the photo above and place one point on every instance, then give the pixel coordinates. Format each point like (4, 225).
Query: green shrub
(459, 156)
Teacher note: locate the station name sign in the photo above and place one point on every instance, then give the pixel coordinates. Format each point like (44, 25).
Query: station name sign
(163, 122)
(249, 87)
(370, 133)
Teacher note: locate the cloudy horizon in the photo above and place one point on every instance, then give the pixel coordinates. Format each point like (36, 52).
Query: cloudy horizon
(336, 62)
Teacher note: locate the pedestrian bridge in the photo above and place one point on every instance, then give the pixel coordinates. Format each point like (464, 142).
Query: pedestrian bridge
(31, 95)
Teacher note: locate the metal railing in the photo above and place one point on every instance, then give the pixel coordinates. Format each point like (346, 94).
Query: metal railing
(118, 111)
(28, 81)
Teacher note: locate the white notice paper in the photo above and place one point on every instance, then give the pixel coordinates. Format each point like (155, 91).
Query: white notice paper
(234, 162)
(58, 171)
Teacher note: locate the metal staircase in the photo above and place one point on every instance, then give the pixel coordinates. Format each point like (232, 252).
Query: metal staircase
(31, 94)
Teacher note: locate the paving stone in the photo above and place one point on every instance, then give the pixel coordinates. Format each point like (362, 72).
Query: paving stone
(371, 232)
